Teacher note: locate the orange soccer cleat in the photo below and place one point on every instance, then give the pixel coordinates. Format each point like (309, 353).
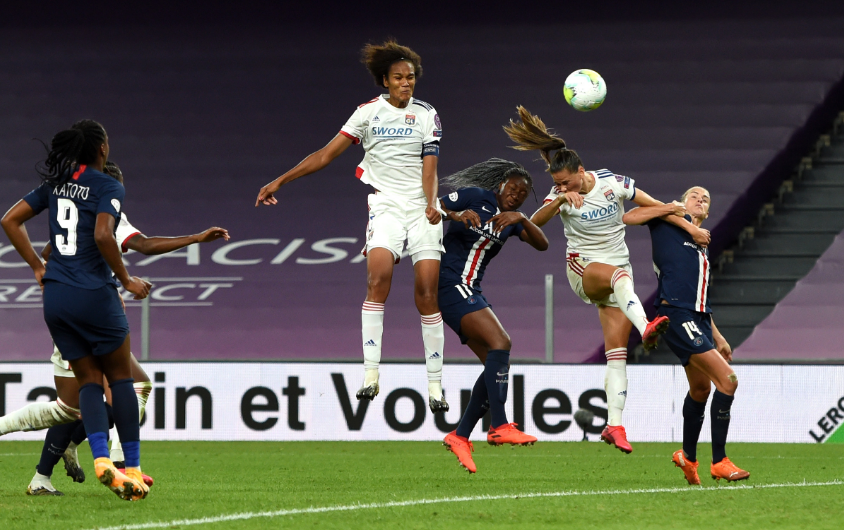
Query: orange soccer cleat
(508, 434)
(462, 449)
(727, 470)
(653, 330)
(689, 468)
(126, 487)
(146, 478)
(617, 436)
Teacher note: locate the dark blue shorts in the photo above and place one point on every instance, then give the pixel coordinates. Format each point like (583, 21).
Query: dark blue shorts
(688, 333)
(456, 301)
(83, 321)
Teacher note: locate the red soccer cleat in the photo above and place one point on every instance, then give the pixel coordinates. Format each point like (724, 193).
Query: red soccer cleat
(147, 479)
(508, 434)
(727, 470)
(617, 436)
(689, 468)
(462, 449)
(653, 330)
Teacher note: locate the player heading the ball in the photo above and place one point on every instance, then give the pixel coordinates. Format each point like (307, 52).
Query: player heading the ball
(590, 205)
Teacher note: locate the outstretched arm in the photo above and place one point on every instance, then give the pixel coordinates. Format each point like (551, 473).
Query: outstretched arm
(643, 214)
(104, 237)
(151, 246)
(313, 163)
(13, 225)
(700, 236)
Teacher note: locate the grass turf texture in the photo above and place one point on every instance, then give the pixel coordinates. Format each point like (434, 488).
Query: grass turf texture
(209, 479)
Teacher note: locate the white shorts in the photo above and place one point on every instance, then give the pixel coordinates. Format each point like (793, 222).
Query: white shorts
(575, 265)
(61, 368)
(394, 220)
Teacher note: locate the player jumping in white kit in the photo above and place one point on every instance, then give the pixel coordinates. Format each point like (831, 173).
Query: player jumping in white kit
(400, 136)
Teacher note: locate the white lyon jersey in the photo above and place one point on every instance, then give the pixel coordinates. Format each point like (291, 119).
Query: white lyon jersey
(595, 231)
(395, 140)
(124, 232)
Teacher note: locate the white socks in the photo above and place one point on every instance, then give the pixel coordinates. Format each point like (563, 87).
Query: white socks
(372, 329)
(433, 338)
(142, 391)
(615, 383)
(628, 302)
(38, 415)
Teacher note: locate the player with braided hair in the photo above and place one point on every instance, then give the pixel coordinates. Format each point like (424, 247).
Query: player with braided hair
(400, 136)
(484, 213)
(591, 206)
(82, 308)
(62, 437)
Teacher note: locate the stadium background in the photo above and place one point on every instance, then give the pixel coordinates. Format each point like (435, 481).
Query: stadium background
(201, 114)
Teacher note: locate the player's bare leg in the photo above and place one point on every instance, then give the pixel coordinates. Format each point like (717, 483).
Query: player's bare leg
(379, 278)
(616, 327)
(601, 280)
(426, 277)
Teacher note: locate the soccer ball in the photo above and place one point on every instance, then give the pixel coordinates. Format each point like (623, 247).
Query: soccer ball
(585, 90)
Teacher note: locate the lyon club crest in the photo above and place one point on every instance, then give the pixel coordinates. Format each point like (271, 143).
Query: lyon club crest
(609, 195)
(409, 119)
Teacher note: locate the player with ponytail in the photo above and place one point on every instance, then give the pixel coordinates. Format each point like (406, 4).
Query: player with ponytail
(591, 206)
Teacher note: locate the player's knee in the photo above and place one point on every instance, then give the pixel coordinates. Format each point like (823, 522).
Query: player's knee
(700, 393)
(426, 300)
(732, 384)
(501, 342)
(378, 287)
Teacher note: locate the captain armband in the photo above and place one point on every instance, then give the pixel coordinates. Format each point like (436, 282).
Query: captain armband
(431, 148)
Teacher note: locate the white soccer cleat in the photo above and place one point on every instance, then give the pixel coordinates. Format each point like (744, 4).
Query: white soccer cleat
(41, 485)
(436, 397)
(370, 386)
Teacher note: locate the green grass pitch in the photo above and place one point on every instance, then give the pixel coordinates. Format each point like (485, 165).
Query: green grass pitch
(592, 486)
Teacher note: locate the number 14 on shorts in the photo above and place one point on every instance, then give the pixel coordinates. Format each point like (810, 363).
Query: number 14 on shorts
(691, 328)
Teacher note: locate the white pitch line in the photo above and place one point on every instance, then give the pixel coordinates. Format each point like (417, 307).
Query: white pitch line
(418, 502)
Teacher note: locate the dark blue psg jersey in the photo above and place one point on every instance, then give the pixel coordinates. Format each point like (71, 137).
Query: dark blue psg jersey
(469, 250)
(73, 208)
(682, 267)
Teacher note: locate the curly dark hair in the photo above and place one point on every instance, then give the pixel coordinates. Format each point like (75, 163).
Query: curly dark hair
(532, 134)
(488, 175)
(70, 148)
(378, 59)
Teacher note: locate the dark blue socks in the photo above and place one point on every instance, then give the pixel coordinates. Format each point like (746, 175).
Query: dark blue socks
(693, 414)
(475, 410)
(95, 418)
(497, 378)
(57, 440)
(125, 403)
(720, 413)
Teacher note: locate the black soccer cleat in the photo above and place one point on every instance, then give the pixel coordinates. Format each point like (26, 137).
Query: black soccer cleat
(368, 392)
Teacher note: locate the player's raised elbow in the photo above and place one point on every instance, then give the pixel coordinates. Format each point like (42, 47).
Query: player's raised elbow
(541, 245)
